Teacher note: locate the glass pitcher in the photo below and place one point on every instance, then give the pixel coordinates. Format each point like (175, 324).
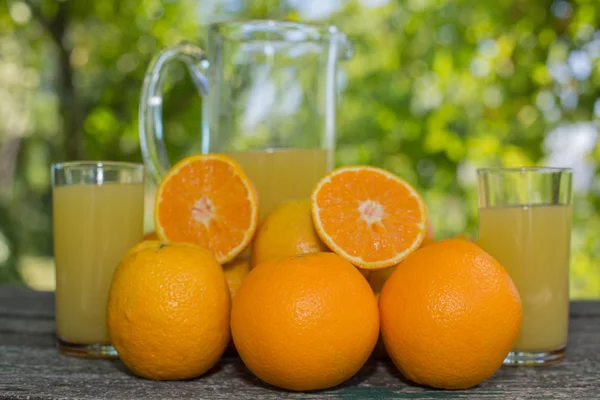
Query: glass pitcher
(269, 90)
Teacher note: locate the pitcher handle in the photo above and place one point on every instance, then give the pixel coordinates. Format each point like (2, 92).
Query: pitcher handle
(150, 110)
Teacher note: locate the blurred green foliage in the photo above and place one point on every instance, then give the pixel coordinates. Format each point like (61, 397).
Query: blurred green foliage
(436, 88)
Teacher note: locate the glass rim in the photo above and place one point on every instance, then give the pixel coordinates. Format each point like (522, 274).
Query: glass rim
(84, 164)
(538, 169)
(313, 32)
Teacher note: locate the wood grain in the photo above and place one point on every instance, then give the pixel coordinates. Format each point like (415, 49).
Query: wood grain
(31, 368)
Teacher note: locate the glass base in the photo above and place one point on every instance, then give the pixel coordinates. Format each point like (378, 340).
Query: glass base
(533, 359)
(86, 350)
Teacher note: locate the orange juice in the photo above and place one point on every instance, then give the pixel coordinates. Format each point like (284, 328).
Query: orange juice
(532, 243)
(283, 175)
(94, 226)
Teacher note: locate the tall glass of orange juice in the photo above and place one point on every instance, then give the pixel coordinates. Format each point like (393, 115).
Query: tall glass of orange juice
(525, 223)
(98, 210)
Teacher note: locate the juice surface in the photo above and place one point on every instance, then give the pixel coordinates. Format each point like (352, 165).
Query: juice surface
(533, 244)
(94, 226)
(283, 175)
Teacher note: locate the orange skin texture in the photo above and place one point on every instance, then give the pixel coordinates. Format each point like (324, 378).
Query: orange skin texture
(305, 323)
(286, 231)
(168, 311)
(450, 314)
(369, 216)
(207, 199)
(235, 272)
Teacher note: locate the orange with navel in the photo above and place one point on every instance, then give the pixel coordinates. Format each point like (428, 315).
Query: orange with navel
(369, 216)
(207, 199)
(305, 323)
(168, 310)
(450, 314)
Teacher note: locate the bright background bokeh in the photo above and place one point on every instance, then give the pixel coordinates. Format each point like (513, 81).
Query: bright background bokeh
(436, 88)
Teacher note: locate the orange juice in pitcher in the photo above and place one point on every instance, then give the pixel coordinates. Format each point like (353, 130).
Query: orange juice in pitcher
(280, 176)
(269, 99)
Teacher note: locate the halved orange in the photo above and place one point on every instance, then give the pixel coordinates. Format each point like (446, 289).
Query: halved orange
(369, 216)
(207, 199)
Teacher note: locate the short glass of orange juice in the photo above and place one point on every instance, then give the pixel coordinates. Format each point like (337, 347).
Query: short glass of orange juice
(98, 211)
(525, 223)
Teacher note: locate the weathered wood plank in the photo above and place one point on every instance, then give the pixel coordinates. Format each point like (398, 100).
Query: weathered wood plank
(44, 373)
(585, 308)
(31, 368)
(24, 302)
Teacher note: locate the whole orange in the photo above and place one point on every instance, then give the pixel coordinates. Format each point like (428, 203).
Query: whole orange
(168, 310)
(450, 314)
(286, 231)
(305, 323)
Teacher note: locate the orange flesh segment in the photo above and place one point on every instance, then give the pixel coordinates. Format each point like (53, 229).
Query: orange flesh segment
(210, 202)
(369, 216)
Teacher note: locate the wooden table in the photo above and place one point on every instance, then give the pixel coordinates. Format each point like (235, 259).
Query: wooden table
(32, 368)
